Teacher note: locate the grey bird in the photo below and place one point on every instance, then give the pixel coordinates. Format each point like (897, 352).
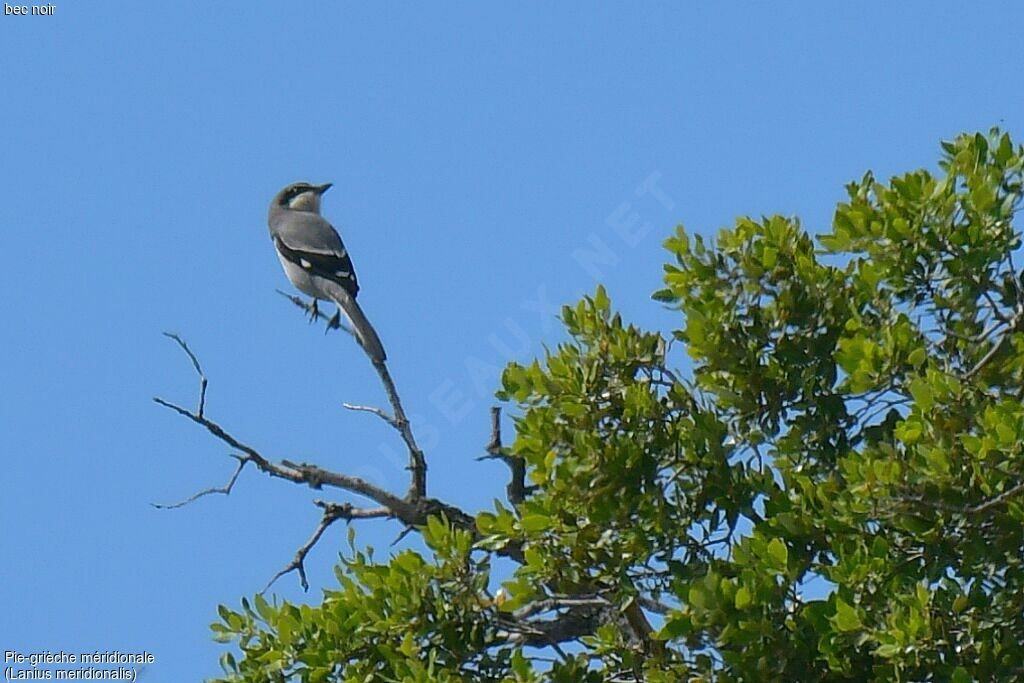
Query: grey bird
(315, 259)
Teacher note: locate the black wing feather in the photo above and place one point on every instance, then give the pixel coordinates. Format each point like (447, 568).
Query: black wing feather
(329, 266)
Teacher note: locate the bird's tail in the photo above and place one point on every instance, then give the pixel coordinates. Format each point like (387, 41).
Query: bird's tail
(365, 334)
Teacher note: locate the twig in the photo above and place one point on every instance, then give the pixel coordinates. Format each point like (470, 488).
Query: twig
(198, 369)
(226, 489)
(652, 605)
(379, 412)
(417, 462)
(311, 475)
(405, 532)
(398, 419)
(1004, 338)
(516, 488)
(494, 447)
(548, 604)
(333, 323)
(332, 513)
(966, 510)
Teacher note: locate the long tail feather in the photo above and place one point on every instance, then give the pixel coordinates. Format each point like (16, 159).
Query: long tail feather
(365, 334)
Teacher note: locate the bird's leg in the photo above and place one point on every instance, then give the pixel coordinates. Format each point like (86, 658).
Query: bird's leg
(314, 312)
(335, 321)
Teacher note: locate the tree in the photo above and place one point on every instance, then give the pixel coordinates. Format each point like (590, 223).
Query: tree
(833, 491)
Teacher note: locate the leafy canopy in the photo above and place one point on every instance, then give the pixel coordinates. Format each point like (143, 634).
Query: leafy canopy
(834, 491)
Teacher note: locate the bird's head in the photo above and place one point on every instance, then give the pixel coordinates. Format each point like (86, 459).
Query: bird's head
(301, 196)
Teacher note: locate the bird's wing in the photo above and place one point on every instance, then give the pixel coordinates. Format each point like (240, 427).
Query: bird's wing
(311, 243)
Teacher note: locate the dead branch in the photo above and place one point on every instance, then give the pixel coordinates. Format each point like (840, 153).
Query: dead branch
(545, 623)
(411, 511)
(379, 412)
(226, 489)
(333, 322)
(332, 513)
(516, 489)
(398, 419)
(199, 370)
(417, 461)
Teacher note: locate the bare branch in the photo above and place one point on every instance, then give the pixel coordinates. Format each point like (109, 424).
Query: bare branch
(516, 488)
(226, 489)
(198, 369)
(494, 447)
(332, 513)
(574, 623)
(653, 605)
(413, 513)
(333, 322)
(968, 509)
(398, 419)
(405, 532)
(379, 412)
(313, 476)
(548, 604)
(992, 352)
(640, 625)
(417, 462)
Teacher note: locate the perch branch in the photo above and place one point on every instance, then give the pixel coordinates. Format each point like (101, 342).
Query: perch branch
(332, 322)
(575, 616)
(398, 419)
(417, 461)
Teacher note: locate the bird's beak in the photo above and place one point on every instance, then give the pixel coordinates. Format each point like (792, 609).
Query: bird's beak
(323, 188)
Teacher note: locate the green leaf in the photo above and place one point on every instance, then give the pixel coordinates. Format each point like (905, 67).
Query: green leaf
(263, 608)
(535, 523)
(743, 597)
(846, 618)
(779, 553)
(601, 301)
(887, 651)
(922, 393)
(227, 662)
(960, 675)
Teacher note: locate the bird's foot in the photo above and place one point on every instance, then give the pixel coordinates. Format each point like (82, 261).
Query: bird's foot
(314, 312)
(334, 323)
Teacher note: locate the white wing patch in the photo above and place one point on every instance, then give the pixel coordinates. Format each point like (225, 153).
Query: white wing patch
(306, 264)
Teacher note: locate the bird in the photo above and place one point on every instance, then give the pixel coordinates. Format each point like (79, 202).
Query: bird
(316, 260)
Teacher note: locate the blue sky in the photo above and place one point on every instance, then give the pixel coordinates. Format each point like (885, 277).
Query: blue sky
(476, 150)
